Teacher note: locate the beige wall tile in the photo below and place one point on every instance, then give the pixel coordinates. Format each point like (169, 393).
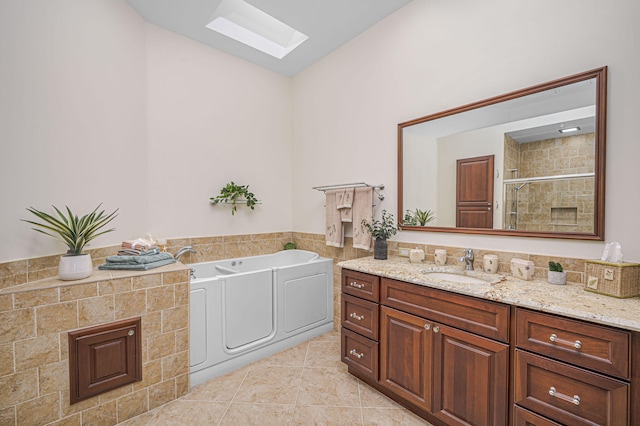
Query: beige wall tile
(53, 377)
(6, 302)
(56, 318)
(132, 405)
(68, 410)
(175, 319)
(151, 324)
(182, 385)
(151, 374)
(182, 294)
(159, 298)
(131, 304)
(96, 310)
(8, 416)
(64, 345)
(161, 393)
(6, 359)
(120, 285)
(175, 365)
(8, 320)
(182, 340)
(175, 277)
(114, 394)
(39, 411)
(35, 352)
(145, 281)
(161, 346)
(29, 299)
(19, 387)
(79, 291)
(74, 420)
(103, 415)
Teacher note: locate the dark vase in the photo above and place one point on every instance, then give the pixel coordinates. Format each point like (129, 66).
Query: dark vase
(380, 249)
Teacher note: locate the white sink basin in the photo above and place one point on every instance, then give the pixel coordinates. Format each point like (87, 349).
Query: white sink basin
(458, 278)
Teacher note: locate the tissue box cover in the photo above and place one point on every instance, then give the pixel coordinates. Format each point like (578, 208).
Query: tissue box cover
(522, 269)
(613, 279)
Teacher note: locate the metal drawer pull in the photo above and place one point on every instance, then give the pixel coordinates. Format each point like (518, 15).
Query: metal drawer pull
(575, 399)
(356, 354)
(577, 344)
(356, 285)
(356, 316)
(427, 327)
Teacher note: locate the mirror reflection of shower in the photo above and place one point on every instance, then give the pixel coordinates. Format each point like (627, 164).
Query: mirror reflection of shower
(513, 213)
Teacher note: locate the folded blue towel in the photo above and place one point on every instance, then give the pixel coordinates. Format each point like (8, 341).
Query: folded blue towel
(137, 260)
(136, 266)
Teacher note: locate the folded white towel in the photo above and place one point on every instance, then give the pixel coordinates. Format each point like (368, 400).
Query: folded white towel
(362, 209)
(334, 228)
(345, 198)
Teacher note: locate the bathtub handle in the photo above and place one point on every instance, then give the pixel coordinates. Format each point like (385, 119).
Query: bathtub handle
(356, 285)
(356, 354)
(356, 316)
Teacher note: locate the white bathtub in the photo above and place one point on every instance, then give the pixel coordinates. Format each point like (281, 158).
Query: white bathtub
(247, 308)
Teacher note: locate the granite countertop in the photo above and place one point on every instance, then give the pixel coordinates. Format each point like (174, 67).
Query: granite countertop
(97, 275)
(570, 300)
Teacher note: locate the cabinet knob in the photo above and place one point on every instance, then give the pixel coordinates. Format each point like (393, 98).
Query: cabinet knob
(436, 329)
(131, 333)
(427, 327)
(356, 285)
(356, 316)
(554, 338)
(553, 392)
(356, 354)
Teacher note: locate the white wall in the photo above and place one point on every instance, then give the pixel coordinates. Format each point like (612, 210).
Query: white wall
(72, 107)
(98, 106)
(213, 118)
(435, 55)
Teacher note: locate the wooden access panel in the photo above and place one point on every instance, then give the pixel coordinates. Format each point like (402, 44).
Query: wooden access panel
(104, 357)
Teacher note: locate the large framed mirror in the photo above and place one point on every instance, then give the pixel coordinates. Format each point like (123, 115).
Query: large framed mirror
(527, 163)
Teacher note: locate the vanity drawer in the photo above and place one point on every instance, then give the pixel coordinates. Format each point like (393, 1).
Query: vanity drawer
(522, 417)
(361, 285)
(360, 315)
(567, 394)
(360, 353)
(587, 345)
(483, 317)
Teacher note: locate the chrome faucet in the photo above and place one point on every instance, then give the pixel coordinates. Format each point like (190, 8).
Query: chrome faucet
(468, 259)
(183, 250)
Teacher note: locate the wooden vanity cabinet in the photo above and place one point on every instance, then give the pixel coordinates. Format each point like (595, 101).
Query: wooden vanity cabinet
(360, 324)
(572, 372)
(457, 376)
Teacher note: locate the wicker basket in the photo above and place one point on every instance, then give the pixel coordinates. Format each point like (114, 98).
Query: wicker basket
(612, 279)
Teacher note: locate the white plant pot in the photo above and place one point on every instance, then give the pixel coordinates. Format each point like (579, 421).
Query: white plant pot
(75, 267)
(558, 278)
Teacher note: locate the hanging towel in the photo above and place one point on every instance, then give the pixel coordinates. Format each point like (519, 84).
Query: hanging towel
(344, 198)
(346, 212)
(362, 210)
(334, 231)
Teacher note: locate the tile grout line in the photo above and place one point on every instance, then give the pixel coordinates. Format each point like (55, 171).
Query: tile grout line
(304, 363)
(234, 395)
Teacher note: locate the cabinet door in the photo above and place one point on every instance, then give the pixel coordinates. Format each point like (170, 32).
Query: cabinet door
(470, 378)
(405, 356)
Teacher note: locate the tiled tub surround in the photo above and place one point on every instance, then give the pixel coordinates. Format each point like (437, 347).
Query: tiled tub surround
(569, 300)
(225, 247)
(36, 317)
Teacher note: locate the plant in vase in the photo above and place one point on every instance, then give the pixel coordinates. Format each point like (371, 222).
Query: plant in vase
(381, 230)
(556, 274)
(75, 232)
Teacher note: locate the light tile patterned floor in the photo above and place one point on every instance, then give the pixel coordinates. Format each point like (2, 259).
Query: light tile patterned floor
(304, 385)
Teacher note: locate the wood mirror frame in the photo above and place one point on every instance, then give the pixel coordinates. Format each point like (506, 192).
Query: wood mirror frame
(600, 77)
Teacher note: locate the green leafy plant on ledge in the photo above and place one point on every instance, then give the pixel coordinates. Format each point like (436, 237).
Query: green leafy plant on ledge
(418, 217)
(72, 230)
(235, 194)
(555, 267)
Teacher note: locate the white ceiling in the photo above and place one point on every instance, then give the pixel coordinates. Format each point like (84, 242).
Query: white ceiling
(328, 23)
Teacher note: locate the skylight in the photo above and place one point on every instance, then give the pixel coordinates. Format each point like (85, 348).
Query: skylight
(249, 25)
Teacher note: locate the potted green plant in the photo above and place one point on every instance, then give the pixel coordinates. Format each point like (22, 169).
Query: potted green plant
(381, 230)
(75, 232)
(556, 274)
(234, 194)
(418, 217)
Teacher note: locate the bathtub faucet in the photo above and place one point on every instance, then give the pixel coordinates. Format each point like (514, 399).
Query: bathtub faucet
(183, 250)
